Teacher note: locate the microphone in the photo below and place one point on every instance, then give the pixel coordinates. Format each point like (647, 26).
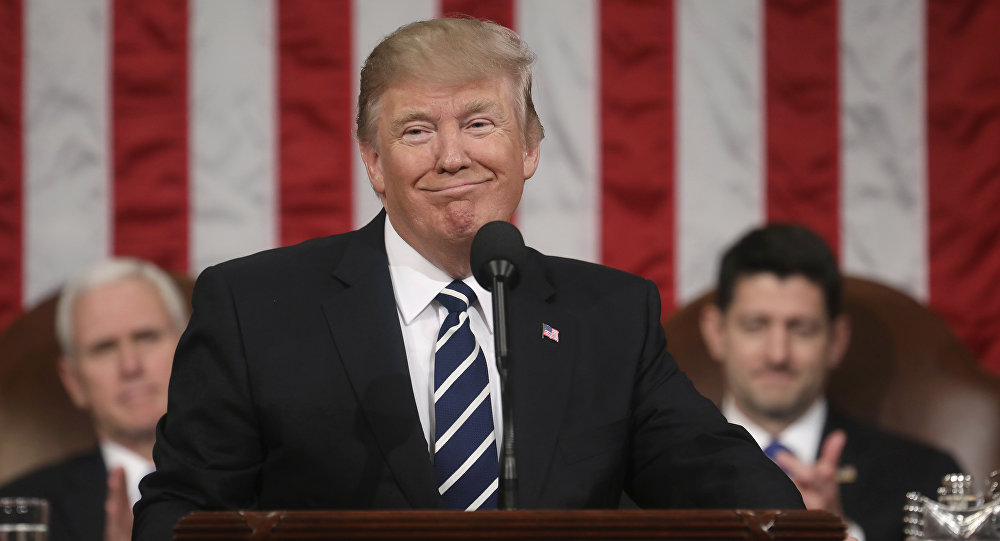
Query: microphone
(497, 251)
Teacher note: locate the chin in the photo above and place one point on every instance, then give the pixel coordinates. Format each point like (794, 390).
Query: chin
(777, 407)
(781, 413)
(140, 423)
(137, 433)
(461, 224)
(461, 233)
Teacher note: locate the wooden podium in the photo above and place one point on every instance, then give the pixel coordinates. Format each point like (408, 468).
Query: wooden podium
(751, 525)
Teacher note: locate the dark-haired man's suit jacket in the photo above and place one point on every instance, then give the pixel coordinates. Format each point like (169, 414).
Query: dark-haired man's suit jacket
(75, 489)
(290, 390)
(887, 467)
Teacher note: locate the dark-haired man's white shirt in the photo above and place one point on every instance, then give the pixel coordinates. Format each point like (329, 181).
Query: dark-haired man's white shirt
(802, 437)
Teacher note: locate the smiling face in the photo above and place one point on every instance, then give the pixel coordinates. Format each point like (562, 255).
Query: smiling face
(776, 345)
(445, 161)
(123, 350)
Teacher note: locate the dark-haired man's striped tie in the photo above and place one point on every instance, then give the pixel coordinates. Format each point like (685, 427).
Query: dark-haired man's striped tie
(465, 455)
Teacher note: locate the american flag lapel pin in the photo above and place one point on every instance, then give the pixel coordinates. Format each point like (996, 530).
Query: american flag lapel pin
(549, 332)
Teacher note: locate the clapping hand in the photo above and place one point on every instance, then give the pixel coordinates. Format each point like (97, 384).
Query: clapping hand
(818, 483)
(117, 511)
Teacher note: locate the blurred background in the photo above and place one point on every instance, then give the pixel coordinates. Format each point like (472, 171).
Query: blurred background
(188, 132)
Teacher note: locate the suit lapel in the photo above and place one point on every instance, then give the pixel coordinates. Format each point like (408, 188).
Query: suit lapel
(541, 370)
(365, 328)
(834, 421)
(849, 459)
(88, 485)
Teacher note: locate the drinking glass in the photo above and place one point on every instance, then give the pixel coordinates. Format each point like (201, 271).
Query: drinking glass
(24, 519)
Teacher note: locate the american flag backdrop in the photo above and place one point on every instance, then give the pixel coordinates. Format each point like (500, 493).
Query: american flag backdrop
(193, 131)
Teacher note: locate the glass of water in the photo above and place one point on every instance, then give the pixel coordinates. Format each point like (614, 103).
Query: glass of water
(24, 519)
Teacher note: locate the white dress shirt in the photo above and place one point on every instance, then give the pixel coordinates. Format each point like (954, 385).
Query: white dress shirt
(136, 467)
(415, 283)
(802, 437)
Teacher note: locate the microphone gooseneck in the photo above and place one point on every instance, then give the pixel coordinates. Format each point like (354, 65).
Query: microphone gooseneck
(497, 250)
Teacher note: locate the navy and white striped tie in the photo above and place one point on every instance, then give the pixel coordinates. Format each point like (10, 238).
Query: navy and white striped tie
(465, 455)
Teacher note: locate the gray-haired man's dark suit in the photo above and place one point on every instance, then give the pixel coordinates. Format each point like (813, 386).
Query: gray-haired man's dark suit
(75, 489)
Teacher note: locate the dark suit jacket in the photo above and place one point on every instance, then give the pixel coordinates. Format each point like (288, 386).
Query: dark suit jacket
(290, 389)
(76, 489)
(888, 467)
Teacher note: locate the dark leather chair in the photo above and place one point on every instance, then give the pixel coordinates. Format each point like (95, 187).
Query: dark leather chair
(38, 422)
(904, 371)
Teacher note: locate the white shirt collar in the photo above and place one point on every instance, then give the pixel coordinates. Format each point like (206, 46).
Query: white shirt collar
(802, 437)
(136, 467)
(416, 281)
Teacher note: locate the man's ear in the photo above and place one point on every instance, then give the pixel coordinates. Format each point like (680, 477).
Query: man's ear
(67, 375)
(840, 339)
(370, 155)
(711, 331)
(531, 156)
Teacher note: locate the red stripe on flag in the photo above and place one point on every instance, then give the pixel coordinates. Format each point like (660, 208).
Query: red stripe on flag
(498, 11)
(803, 137)
(963, 169)
(637, 130)
(315, 117)
(11, 242)
(150, 131)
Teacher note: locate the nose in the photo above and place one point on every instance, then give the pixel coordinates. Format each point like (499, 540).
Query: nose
(778, 347)
(129, 360)
(452, 152)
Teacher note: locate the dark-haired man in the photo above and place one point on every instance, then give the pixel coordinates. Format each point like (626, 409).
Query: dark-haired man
(778, 329)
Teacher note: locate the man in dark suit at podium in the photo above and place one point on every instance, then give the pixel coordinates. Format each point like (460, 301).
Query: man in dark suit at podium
(778, 330)
(356, 371)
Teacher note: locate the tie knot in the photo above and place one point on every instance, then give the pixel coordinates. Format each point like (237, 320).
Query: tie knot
(774, 448)
(457, 297)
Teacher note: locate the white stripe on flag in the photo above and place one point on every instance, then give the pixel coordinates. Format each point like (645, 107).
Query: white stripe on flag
(720, 186)
(560, 209)
(884, 204)
(66, 169)
(373, 20)
(232, 130)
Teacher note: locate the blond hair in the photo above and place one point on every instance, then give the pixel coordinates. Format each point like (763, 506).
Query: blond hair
(449, 51)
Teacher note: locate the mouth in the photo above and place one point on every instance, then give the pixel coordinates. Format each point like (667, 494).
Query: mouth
(776, 376)
(137, 395)
(457, 188)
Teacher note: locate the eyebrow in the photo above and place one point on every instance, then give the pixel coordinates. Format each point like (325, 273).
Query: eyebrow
(469, 109)
(407, 117)
(480, 106)
(102, 344)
